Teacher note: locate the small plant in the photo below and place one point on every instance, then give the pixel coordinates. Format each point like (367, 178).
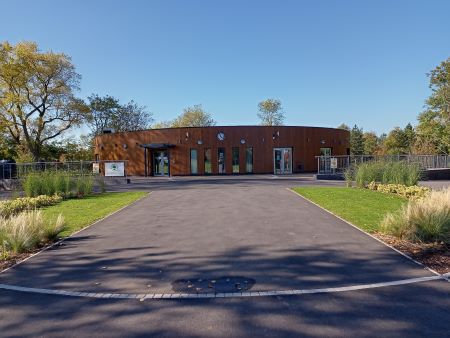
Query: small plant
(423, 220)
(53, 229)
(349, 176)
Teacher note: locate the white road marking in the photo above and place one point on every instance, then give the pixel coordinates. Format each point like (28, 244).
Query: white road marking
(141, 297)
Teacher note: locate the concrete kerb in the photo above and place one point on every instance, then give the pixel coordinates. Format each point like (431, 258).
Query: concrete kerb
(443, 276)
(75, 233)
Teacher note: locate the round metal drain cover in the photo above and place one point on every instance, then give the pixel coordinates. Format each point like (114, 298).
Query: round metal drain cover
(213, 285)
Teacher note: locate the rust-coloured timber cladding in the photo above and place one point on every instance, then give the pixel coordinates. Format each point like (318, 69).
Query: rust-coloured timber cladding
(305, 142)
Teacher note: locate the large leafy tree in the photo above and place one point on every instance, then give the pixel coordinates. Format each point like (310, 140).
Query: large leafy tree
(400, 141)
(270, 112)
(194, 116)
(37, 95)
(433, 130)
(107, 112)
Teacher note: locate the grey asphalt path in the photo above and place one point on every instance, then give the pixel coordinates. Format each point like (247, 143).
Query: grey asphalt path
(260, 232)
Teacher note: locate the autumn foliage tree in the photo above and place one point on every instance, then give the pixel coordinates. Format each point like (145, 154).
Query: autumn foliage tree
(37, 95)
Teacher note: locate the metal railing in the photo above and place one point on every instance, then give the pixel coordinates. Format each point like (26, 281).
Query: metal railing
(19, 170)
(337, 164)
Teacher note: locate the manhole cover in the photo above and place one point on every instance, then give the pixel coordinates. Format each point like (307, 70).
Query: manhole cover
(213, 285)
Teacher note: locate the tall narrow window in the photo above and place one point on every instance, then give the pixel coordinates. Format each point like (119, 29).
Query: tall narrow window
(194, 162)
(325, 151)
(235, 160)
(249, 160)
(221, 160)
(207, 160)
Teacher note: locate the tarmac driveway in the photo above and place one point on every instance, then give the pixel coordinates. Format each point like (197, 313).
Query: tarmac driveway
(225, 238)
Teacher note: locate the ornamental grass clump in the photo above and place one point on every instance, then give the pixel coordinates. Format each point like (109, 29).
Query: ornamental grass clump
(423, 220)
(27, 230)
(61, 183)
(387, 172)
(84, 186)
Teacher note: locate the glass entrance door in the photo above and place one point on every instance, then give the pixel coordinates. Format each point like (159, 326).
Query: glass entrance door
(282, 161)
(160, 163)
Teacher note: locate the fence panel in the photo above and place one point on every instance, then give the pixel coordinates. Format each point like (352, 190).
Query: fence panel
(343, 162)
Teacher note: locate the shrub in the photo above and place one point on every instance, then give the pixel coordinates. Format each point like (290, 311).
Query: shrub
(390, 172)
(426, 219)
(13, 207)
(27, 230)
(411, 192)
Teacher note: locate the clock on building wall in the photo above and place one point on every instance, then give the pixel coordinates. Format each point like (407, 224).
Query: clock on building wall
(220, 136)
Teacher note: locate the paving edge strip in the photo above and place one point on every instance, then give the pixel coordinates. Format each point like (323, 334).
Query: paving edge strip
(75, 233)
(148, 296)
(444, 276)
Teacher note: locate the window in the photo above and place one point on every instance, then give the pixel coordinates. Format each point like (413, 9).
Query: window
(221, 160)
(207, 160)
(325, 151)
(249, 160)
(194, 168)
(235, 160)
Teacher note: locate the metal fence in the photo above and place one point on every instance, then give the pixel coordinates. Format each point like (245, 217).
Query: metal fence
(19, 170)
(337, 164)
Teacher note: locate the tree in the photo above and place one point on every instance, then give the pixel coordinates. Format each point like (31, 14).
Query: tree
(410, 138)
(343, 126)
(270, 112)
(356, 141)
(194, 116)
(433, 129)
(396, 142)
(371, 145)
(37, 101)
(107, 112)
(162, 125)
(7, 146)
(103, 110)
(400, 141)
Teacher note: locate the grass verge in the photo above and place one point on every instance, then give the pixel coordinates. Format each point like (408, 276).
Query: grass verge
(79, 213)
(361, 207)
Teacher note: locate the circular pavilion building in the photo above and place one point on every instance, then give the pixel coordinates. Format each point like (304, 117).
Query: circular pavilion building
(221, 150)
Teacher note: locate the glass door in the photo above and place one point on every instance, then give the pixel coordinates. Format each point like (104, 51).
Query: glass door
(160, 163)
(282, 161)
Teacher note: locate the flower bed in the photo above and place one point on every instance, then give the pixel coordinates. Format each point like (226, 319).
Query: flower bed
(12, 207)
(410, 192)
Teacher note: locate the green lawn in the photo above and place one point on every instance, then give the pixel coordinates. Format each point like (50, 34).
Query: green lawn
(361, 207)
(79, 213)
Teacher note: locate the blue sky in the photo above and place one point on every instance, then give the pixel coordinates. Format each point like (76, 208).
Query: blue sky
(362, 62)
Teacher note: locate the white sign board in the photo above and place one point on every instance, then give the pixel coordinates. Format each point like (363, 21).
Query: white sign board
(114, 169)
(333, 163)
(96, 168)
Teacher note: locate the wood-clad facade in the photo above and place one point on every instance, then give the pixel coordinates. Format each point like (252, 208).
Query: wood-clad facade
(222, 150)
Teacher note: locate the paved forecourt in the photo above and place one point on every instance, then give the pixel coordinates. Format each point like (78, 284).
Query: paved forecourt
(234, 239)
